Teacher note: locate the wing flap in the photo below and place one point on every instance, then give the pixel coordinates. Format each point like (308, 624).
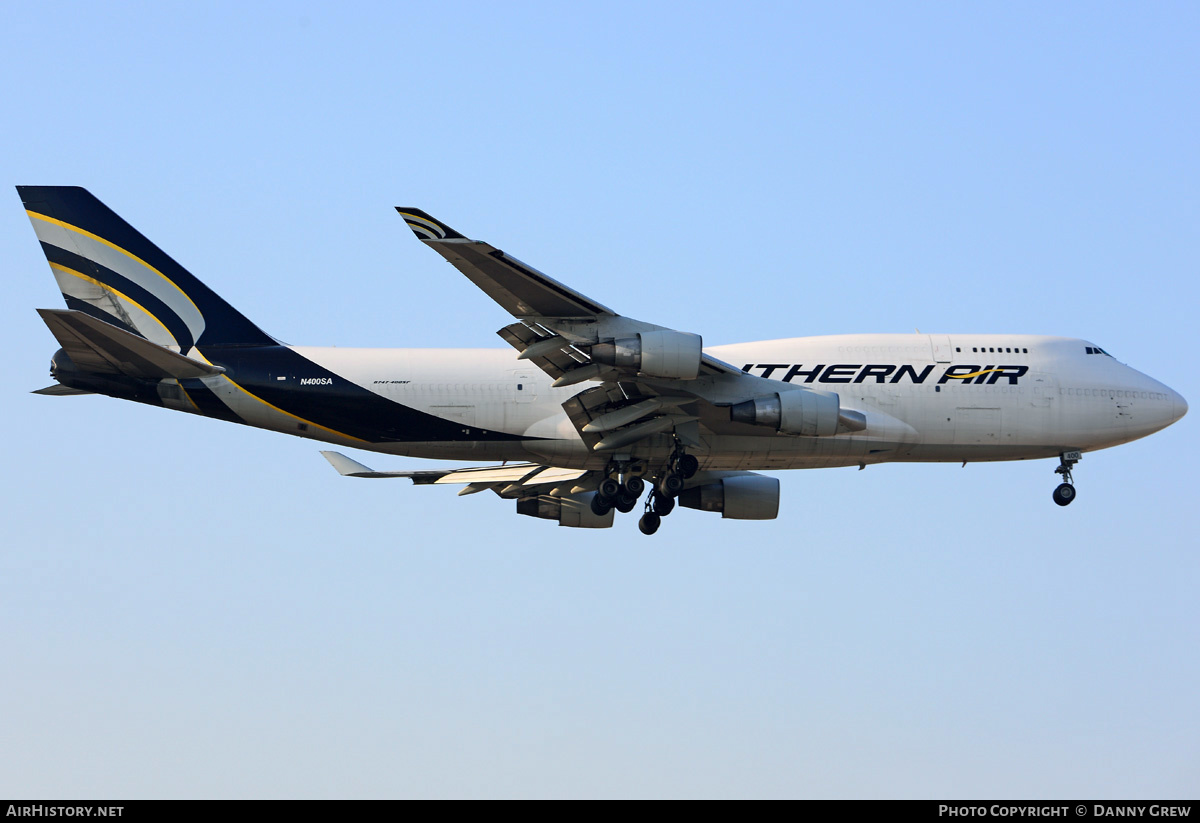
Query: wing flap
(548, 350)
(553, 474)
(515, 473)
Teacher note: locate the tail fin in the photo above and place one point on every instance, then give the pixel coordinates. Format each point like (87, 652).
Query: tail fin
(107, 269)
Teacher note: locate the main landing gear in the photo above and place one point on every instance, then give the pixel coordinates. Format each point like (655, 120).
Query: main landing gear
(658, 506)
(1065, 492)
(621, 489)
(661, 500)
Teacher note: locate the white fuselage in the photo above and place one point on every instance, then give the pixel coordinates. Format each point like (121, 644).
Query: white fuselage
(925, 398)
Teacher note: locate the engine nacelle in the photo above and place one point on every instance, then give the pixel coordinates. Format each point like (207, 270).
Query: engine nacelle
(809, 412)
(671, 354)
(572, 510)
(740, 497)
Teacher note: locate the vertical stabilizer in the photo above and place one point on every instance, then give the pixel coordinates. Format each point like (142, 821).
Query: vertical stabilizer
(109, 270)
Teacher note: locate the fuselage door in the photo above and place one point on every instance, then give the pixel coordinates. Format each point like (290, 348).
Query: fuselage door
(942, 350)
(977, 426)
(524, 389)
(1044, 388)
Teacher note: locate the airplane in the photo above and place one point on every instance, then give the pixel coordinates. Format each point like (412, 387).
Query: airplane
(594, 409)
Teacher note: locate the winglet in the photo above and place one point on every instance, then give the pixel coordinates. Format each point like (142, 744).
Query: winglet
(425, 227)
(346, 466)
(352, 468)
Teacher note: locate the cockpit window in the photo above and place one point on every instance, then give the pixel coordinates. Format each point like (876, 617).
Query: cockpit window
(1097, 350)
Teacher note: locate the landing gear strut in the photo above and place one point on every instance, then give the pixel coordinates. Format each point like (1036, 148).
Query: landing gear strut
(623, 484)
(661, 500)
(658, 506)
(680, 468)
(686, 465)
(661, 503)
(1065, 493)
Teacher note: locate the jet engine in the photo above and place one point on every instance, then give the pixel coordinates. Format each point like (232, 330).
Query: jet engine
(738, 497)
(808, 412)
(670, 354)
(571, 510)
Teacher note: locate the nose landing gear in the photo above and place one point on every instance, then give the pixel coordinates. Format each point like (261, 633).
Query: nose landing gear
(1065, 493)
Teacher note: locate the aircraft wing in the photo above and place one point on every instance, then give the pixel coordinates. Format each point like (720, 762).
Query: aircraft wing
(653, 380)
(521, 290)
(565, 495)
(555, 329)
(517, 479)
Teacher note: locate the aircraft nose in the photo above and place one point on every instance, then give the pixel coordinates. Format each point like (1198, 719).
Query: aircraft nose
(1166, 405)
(1179, 406)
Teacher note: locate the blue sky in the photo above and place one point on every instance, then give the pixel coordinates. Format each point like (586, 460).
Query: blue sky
(195, 609)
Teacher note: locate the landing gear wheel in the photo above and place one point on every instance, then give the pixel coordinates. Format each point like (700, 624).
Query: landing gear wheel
(610, 488)
(1064, 494)
(601, 505)
(662, 504)
(649, 523)
(688, 465)
(625, 503)
(634, 486)
(671, 485)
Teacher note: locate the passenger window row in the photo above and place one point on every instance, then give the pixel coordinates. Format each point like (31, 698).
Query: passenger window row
(996, 350)
(1131, 395)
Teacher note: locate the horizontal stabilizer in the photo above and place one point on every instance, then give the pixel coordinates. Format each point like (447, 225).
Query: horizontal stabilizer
(59, 390)
(102, 348)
